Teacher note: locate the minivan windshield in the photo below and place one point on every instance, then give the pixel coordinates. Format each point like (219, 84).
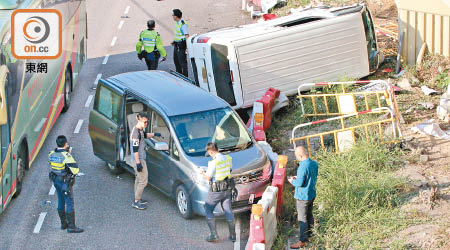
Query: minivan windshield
(221, 126)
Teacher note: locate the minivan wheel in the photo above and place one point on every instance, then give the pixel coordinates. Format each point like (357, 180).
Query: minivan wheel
(114, 168)
(183, 202)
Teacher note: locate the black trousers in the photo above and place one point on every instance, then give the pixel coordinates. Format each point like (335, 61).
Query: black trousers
(180, 59)
(213, 199)
(305, 218)
(151, 64)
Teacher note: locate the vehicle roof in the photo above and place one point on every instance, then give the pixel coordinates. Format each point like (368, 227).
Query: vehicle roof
(251, 30)
(172, 94)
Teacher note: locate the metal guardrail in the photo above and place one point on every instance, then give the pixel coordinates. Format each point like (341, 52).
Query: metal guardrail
(346, 101)
(340, 135)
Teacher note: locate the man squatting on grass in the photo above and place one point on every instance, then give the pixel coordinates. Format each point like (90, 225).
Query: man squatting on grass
(305, 193)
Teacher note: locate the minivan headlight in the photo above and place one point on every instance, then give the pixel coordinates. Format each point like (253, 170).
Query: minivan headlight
(198, 177)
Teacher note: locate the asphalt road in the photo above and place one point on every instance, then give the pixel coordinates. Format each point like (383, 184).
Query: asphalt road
(102, 200)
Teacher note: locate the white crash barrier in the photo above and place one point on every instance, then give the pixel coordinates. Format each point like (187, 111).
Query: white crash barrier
(264, 5)
(259, 246)
(269, 215)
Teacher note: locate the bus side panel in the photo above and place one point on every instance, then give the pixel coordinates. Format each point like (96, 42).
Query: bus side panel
(324, 50)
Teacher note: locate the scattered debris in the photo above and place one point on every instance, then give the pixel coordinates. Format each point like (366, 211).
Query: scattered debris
(428, 91)
(443, 110)
(404, 84)
(411, 109)
(424, 158)
(401, 73)
(387, 70)
(427, 105)
(432, 128)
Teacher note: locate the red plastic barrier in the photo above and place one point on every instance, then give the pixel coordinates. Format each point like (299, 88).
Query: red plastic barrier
(256, 234)
(259, 135)
(279, 175)
(269, 16)
(268, 100)
(275, 91)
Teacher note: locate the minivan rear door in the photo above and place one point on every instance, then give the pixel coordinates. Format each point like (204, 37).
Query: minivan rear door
(222, 74)
(105, 120)
(199, 62)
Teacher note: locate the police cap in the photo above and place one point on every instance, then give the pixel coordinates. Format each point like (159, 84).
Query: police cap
(151, 24)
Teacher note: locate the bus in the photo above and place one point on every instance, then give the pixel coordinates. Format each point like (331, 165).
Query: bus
(30, 100)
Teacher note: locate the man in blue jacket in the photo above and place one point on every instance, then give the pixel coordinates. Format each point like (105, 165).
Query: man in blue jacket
(305, 193)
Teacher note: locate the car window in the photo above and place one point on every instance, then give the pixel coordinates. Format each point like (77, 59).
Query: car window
(160, 126)
(108, 103)
(174, 150)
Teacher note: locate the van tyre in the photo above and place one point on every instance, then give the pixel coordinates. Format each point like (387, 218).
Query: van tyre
(184, 203)
(114, 168)
(21, 166)
(67, 90)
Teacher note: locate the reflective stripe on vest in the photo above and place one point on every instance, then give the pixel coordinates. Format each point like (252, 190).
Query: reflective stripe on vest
(58, 161)
(178, 34)
(148, 38)
(223, 169)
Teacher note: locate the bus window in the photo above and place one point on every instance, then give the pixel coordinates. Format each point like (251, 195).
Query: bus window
(221, 70)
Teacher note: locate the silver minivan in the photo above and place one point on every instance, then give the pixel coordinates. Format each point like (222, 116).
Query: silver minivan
(188, 118)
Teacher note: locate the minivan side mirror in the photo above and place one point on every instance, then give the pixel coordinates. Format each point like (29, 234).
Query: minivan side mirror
(161, 146)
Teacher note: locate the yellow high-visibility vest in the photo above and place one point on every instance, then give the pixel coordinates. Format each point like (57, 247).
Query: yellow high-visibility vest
(223, 168)
(58, 161)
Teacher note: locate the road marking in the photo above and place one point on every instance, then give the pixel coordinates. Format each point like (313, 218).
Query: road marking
(52, 190)
(126, 10)
(106, 59)
(113, 41)
(237, 243)
(97, 79)
(88, 101)
(38, 226)
(78, 127)
(40, 124)
(120, 24)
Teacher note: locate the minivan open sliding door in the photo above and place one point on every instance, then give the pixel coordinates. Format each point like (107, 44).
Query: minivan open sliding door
(105, 121)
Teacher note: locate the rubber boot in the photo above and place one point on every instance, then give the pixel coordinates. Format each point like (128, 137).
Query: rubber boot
(62, 217)
(231, 228)
(212, 228)
(72, 228)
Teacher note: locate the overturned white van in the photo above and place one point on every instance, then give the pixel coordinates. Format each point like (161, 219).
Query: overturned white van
(239, 64)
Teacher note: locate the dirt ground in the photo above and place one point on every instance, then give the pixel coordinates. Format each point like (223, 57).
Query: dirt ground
(427, 166)
(427, 161)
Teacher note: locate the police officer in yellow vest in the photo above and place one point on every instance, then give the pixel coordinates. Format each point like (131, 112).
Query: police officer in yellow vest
(179, 43)
(153, 47)
(219, 175)
(64, 168)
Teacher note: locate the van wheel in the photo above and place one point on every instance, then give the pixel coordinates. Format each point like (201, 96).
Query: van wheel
(20, 175)
(114, 168)
(184, 203)
(67, 90)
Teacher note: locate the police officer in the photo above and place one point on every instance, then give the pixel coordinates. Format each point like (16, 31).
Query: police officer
(179, 43)
(64, 168)
(219, 175)
(153, 47)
